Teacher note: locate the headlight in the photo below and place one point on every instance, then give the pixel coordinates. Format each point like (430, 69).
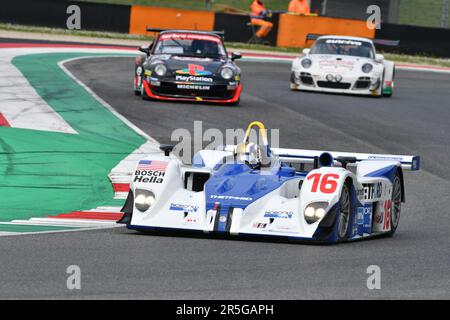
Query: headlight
(143, 199)
(306, 63)
(315, 211)
(367, 67)
(160, 69)
(226, 73)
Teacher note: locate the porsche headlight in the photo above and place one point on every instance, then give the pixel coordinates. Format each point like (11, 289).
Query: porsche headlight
(227, 73)
(306, 63)
(143, 199)
(367, 67)
(315, 211)
(160, 69)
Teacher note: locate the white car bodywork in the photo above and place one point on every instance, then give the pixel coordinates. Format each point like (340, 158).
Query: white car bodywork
(343, 73)
(216, 195)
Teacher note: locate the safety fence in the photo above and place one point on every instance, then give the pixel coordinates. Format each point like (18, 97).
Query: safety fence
(289, 30)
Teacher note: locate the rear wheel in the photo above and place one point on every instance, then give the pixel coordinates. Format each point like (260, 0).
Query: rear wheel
(396, 204)
(345, 209)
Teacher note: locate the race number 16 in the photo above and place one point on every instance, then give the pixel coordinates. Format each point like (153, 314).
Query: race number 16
(326, 183)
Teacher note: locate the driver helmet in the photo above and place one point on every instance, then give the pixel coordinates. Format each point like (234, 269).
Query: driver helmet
(249, 153)
(198, 46)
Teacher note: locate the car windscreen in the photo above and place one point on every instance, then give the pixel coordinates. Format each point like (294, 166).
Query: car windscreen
(343, 47)
(192, 45)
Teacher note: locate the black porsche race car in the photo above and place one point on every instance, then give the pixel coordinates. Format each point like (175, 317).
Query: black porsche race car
(182, 65)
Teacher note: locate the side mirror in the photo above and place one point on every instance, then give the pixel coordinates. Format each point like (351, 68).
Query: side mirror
(306, 51)
(145, 50)
(379, 57)
(236, 55)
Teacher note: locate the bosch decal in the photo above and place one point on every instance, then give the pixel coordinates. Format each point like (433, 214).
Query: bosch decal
(150, 171)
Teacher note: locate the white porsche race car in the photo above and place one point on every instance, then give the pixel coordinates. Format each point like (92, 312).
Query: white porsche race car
(342, 64)
(254, 190)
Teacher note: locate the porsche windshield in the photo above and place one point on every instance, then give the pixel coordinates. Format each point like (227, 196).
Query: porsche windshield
(343, 47)
(190, 45)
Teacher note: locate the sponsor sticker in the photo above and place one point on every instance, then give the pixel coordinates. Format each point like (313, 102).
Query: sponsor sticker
(193, 79)
(378, 219)
(189, 36)
(279, 214)
(260, 225)
(193, 87)
(385, 158)
(367, 211)
(183, 207)
(231, 198)
(194, 70)
(373, 190)
(343, 41)
(150, 171)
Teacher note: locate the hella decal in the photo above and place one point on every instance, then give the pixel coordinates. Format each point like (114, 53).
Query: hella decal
(194, 70)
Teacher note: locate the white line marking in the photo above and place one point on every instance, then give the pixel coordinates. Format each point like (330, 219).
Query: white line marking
(61, 231)
(81, 222)
(103, 102)
(22, 106)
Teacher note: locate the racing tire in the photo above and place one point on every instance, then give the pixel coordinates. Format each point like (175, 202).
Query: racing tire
(137, 92)
(396, 206)
(389, 95)
(236, 103)
(380, 89)
(345, 213)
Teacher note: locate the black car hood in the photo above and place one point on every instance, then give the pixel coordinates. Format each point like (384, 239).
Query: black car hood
(177, 63)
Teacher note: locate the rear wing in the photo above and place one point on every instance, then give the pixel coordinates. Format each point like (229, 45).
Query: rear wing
(218, 33)
(377, 42)
(309, 156)
(302, 156)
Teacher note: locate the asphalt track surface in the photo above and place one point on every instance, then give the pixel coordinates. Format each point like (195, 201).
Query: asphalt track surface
(122, 264)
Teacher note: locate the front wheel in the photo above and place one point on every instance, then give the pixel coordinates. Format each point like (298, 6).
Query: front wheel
(345, 210)
(390, 91)
(236, 103)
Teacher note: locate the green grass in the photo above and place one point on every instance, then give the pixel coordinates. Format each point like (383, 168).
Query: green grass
(58, 31)
(420, 12)
(412, 12)
(425, 60)
(199, 4)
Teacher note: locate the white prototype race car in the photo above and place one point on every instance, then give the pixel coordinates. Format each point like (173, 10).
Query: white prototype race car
(254, 190)
(343, 64)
